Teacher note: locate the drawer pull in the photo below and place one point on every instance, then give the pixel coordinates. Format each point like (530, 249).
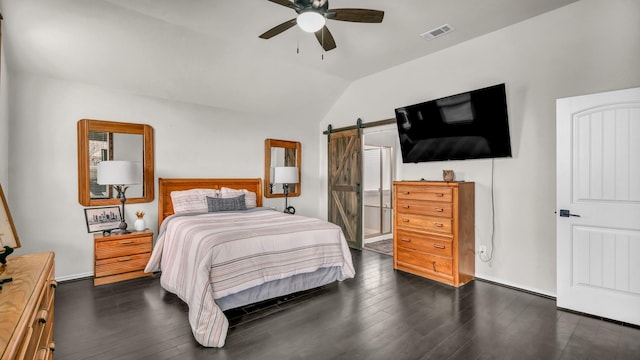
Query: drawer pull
(439, 209)
(42, 316)
(406, 192)
(126, 242)
(53, 284)
(437, 224)
(438, 246)
(439, 194)
(123, 259)
(52, 346)
(43, 354)
(434, 266)
(405, 220)
(405, 206)
(405, 240)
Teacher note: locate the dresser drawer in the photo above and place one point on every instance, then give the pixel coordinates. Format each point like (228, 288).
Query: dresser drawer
(424, 261)
(424, 193)
(425, 223)
(123, 247)
(430, 208)
(435, 245)
(42, 328)
(121, 264)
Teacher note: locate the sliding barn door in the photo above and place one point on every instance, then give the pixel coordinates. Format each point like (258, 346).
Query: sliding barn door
(345, 174)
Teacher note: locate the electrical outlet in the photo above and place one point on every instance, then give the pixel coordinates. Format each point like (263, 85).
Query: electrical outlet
(483, 250)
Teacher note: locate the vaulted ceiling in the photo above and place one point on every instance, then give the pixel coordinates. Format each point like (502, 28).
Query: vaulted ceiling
(208, 52)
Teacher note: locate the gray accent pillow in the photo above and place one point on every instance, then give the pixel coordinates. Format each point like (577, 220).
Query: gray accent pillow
(226, 204)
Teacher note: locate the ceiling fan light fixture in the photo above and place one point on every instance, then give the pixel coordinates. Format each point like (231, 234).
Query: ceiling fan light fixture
(310, 21)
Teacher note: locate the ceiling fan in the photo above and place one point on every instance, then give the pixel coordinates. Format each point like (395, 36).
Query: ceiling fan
(312, 15)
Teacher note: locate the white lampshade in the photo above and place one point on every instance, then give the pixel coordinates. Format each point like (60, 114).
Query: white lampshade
(115, 172)
(285, 175)
(310, 21)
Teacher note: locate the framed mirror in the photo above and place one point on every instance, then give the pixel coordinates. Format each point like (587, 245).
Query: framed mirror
(279, 153)
(100, 140)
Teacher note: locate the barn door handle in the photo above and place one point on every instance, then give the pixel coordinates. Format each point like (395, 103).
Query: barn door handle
(567, 213)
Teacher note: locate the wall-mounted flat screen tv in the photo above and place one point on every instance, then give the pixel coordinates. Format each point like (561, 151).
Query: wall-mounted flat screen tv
(471, 125)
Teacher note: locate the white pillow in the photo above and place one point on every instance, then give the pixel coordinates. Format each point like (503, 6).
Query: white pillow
(194, 200)
(250, 197)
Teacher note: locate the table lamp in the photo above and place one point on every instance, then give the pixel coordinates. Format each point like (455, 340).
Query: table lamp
(119, 174)
(286, 175)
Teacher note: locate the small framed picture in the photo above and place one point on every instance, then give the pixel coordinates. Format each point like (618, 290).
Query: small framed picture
(102, 218)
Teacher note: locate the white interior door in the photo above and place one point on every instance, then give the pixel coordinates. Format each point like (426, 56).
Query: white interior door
(598, 178)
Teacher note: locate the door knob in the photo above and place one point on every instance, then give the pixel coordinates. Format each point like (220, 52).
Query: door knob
(567, 213)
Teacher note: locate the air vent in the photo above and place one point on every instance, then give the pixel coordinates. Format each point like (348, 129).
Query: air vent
(439, 31)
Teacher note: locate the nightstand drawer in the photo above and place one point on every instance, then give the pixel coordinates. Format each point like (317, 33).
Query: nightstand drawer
(122, 247)
(121, 256)
(122, 264)
(427, 262)
(430, 208)
(425, 193)
(436, 245)
(425, 223)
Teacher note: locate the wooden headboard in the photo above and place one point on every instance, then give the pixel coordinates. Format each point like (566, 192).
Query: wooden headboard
(166, 186)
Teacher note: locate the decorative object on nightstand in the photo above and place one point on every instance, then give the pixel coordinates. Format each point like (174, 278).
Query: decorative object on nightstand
(105, 218)
(121, 256)
(140, 224)
(286, 175)
(119, 174)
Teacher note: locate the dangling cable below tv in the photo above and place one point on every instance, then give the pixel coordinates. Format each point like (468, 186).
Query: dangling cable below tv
(471, 125)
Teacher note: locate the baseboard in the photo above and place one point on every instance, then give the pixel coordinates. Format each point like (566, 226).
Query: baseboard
(74, 277)
(519, 287)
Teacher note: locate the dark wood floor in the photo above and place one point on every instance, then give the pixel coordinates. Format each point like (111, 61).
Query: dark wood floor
(381, 314)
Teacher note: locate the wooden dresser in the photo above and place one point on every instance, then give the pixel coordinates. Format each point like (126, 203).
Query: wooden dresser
(121, 257)
(433, 233)
(26, 307)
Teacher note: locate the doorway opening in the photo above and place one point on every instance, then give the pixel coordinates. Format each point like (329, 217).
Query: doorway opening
(377, 182)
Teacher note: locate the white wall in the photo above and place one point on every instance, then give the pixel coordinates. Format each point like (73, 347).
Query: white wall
(587, 47)
(190, 141)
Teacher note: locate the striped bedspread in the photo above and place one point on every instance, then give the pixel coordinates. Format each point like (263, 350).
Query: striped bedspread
(207, 256)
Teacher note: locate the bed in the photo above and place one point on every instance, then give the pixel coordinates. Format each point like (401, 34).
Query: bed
(230, 257)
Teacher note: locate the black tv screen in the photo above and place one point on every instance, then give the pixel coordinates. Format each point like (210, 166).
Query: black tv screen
(471, 125)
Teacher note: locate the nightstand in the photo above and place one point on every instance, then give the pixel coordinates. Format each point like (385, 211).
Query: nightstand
(121, 256)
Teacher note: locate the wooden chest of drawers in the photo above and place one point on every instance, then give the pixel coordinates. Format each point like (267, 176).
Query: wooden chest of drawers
(121, 257)
(434, 233)
(26, 307)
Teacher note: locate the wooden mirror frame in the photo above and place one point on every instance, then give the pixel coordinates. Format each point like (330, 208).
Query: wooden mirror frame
(273, 143)
(87, 125)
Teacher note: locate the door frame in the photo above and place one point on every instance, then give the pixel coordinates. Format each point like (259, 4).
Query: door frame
(358, 231)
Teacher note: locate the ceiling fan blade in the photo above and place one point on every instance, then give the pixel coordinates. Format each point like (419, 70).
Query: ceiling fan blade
(278, 29)
(356, 15)
(286, 3)
(325, 39)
